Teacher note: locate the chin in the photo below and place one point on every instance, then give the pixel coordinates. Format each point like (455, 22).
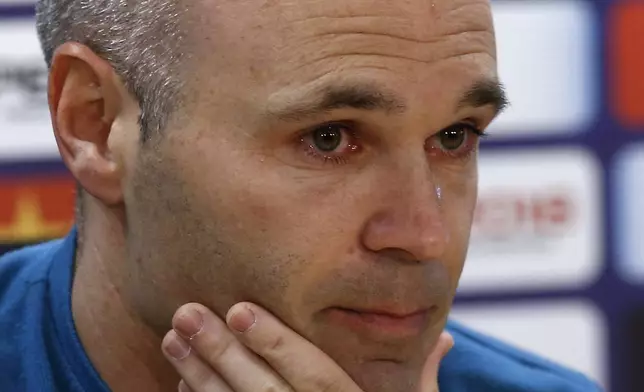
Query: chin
(377, 360)
(378, 366)
(386, 376)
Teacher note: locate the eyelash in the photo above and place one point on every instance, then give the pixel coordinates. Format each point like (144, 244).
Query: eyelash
(349, 129)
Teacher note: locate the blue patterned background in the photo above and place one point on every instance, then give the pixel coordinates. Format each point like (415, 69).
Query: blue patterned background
(589, 91)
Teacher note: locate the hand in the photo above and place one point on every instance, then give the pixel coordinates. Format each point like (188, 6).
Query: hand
(253, 352)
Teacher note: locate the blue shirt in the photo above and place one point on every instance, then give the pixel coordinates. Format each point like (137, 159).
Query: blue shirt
(40, 350)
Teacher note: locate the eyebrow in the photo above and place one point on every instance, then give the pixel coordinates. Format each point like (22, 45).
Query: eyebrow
(373, 98)
(333, 97)
(483, 93)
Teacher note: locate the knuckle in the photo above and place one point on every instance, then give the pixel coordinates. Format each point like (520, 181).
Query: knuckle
(218, 350)
(326, 385)
(276, 345)
(208, 381)
(274, 386)
(200, 378)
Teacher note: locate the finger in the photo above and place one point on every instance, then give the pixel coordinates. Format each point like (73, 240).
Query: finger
(213, 342)
(194, 372)
(429, 378)
(183, 387)
(304, 366)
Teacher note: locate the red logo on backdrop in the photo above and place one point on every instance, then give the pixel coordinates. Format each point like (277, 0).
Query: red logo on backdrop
(506, 215)
(626, 61)
(34, 209)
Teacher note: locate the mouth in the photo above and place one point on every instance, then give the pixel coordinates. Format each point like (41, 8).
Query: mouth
(381, 324)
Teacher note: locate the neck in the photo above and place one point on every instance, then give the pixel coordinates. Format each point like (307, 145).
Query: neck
(123, 349)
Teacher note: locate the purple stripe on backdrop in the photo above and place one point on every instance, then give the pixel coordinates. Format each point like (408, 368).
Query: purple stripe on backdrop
(31, 168)
(16, 11)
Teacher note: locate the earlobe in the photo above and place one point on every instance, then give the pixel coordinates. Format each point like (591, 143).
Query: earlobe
(84, 102)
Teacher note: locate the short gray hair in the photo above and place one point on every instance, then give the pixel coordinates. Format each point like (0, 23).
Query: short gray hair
(141, 39)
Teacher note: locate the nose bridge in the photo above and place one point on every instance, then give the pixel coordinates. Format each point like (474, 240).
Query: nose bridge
(424, 204)
(420, 192)
(412, 215)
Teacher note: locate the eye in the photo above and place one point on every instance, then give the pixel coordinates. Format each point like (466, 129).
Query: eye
(452, 138)
(458, 140)
(331, 142)
(328, 138)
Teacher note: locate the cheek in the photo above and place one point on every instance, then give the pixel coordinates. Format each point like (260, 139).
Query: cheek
(272, 202)
(283, 231)
(458, 204)
(458, 200)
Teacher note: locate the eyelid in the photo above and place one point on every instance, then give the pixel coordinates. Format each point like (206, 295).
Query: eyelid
(349, 124)
(471, 125)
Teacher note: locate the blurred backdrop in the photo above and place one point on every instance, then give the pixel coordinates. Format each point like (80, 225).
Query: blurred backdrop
(556, 262)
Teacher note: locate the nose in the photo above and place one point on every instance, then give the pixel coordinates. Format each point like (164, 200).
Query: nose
(410, 219)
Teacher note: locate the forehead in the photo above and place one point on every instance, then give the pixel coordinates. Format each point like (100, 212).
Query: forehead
(272, 45)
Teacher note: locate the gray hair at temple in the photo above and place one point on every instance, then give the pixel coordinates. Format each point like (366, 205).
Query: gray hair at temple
(141, 39)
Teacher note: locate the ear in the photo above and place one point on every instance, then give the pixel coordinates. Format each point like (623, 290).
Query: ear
(85, 97)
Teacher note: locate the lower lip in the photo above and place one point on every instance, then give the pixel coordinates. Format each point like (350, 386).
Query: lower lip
(381, 325)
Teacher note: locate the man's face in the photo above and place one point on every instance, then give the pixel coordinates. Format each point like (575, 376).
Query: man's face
(325, 168)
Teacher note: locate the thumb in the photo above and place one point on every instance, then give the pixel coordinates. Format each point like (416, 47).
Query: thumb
(429, 377)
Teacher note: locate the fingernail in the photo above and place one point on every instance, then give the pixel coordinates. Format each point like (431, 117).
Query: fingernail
(188, 323)
(241, 319)
(176, 347)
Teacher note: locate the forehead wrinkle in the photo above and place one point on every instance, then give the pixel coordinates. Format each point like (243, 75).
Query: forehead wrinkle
(370, 30)
(291, 48)
(423, 22)
(361, 36)
(294, 10)
(350, 46)
(321, 26)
